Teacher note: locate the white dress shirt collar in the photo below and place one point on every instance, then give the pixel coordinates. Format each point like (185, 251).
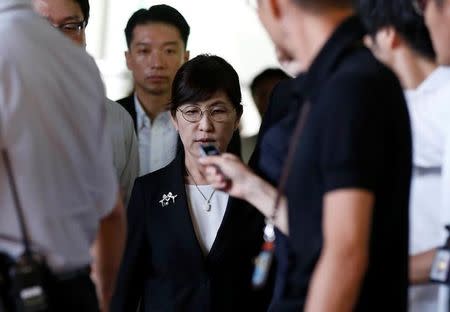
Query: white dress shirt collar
(157, 139)
(141, 116)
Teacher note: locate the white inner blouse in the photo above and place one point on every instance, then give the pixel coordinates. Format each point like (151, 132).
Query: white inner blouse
(206, 223)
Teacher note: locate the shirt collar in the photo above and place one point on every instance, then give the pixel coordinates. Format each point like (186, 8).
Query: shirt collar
(348, 35)
(141, 115)
(8, 4)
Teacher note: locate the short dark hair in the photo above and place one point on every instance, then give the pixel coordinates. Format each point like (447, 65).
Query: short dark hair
(198, 79)
(85, 8)
(401, 15)
(267, 74)
(158, 14)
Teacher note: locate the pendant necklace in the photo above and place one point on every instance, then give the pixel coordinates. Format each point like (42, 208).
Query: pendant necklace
(207, 201)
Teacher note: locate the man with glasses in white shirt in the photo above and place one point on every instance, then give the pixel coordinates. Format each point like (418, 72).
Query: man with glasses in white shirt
(52, 125)
(71, 18)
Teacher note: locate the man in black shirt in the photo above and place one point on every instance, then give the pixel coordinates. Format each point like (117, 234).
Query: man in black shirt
(344, 215)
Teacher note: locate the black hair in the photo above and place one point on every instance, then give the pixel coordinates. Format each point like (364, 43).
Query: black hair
(198, 79)
(85, 8)
(401, 15)
(158, 14)
(267, 74)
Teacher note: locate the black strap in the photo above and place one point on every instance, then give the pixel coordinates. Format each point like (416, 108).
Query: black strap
(293, 143)
(20, 214)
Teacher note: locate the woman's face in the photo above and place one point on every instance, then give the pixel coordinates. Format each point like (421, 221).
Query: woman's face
(215, 123)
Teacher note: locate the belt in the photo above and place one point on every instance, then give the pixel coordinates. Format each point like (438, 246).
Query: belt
(72, 274)
(421, 171)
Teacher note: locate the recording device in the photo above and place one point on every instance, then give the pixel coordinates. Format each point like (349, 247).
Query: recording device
(27, 278)
(441, 263)
(209, 150)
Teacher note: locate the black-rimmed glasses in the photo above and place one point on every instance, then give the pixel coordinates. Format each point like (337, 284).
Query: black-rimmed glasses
(72, 28)
(192, 113)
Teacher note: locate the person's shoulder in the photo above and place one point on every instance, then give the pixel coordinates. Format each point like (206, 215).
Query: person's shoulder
(118, 114)
(128, 100)
(163, 175)
(362, 67)
(362, 78)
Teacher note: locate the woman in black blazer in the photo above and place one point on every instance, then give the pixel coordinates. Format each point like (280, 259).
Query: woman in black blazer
(189, 247)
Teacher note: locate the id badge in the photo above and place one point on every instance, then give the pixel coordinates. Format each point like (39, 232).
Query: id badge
(262, 266)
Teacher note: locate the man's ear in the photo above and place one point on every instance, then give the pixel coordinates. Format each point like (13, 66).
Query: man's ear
(390, 37)
(396, 40)
(275, 9)
(237, 122)
(186, 56)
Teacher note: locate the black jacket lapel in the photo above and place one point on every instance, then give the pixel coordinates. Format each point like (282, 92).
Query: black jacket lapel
(128, 104)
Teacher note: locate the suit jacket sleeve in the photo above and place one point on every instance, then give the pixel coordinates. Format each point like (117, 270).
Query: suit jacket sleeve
(134, 267)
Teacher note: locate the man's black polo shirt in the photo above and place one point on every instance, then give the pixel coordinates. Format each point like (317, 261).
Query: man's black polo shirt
(357, 135)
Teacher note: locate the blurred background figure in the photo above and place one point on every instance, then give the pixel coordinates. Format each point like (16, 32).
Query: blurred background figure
(437, 18)
(399, 38)
(53, 126)
(261, 88)
(71, 18)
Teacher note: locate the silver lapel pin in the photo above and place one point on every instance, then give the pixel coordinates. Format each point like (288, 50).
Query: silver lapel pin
(166, 199)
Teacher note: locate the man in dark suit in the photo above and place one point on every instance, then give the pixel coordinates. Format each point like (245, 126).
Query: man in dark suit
(157, 40)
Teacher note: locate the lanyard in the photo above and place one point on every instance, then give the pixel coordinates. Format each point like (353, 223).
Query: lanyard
(264, 259)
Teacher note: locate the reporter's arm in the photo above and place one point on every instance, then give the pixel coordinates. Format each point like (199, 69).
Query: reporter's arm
(343, 262)
(227, 173)
(420, 266)
(108, 250)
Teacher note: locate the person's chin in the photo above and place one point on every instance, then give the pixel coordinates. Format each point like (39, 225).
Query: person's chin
(157, 89)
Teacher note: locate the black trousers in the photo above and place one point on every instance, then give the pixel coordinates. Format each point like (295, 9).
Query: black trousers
(73, 294)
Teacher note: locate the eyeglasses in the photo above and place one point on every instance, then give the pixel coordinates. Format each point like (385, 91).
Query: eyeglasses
(193, 113)
(72, 28)
(420, 6)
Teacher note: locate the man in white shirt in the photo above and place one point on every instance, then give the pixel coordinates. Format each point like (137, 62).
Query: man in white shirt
(71, 17)
(157, 39)
(52, 124)
(399, 38)
(437, 18)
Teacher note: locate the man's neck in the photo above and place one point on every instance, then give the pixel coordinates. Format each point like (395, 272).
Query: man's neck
(152, 104)
(315, 31)
(412, 69)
